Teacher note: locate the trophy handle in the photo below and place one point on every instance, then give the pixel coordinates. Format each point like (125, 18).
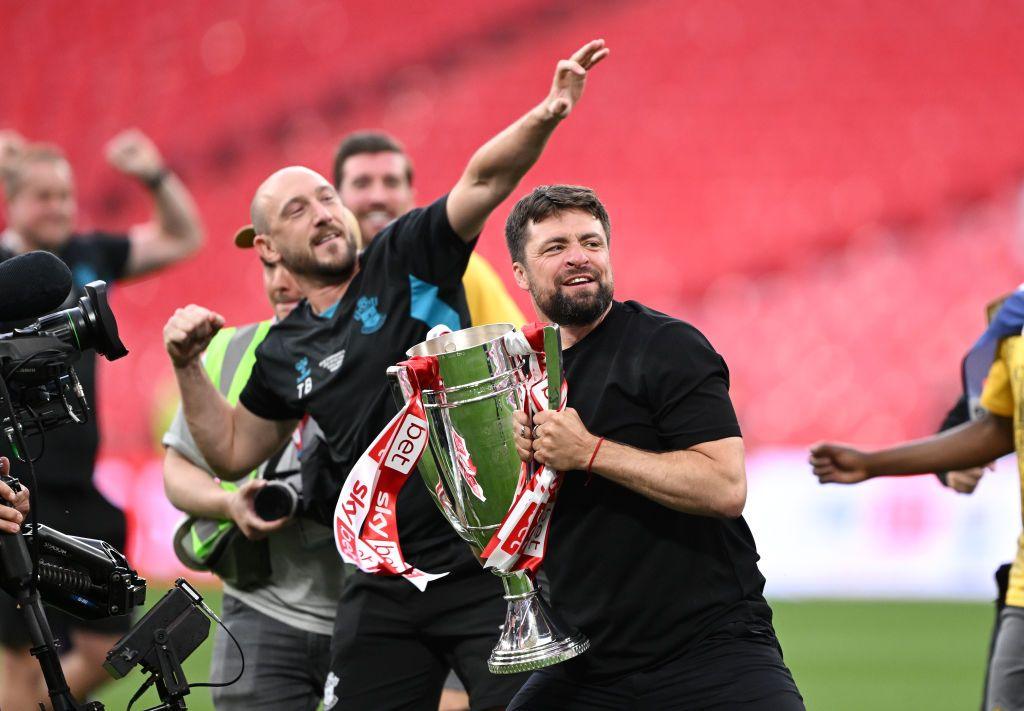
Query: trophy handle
(553, 364)
(401, 389)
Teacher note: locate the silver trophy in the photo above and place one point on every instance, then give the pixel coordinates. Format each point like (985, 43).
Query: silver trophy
(471, 468)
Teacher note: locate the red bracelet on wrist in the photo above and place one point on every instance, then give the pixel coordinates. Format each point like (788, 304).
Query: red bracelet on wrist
(593, 456)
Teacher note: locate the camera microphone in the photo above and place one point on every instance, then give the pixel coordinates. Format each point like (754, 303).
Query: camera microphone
(32, 284)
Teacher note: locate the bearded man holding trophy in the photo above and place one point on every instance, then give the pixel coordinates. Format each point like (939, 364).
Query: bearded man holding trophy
(649, 555)
(630, 490)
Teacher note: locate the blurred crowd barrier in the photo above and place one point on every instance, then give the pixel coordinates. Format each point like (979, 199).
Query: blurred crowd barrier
(889, 538)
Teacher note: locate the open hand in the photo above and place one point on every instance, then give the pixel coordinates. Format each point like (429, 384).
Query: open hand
(571, 76)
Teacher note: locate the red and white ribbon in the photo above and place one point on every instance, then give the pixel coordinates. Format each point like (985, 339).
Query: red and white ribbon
(365, 521)
(521, 540)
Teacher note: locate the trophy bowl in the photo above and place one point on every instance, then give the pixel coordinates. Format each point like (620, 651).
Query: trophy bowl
(472, 470)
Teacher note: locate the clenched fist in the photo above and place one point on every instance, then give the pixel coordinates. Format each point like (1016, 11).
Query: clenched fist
(558, 440)
(132, 153)
(188, 333)
(837, 464)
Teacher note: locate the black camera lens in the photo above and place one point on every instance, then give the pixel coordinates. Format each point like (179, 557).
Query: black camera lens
(276, 500)
(91, 324)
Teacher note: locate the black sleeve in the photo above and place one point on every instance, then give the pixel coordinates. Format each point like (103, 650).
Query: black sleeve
(687, 383)
(259, 396)
(430, 246)
(109, 253)
(957, 415)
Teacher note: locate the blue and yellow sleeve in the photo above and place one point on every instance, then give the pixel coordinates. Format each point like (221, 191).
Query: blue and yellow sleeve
(997, 395)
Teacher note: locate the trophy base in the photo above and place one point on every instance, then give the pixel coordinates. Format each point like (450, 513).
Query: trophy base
(532, 636)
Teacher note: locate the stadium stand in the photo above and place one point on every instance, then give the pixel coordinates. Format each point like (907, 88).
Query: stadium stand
(768, 197)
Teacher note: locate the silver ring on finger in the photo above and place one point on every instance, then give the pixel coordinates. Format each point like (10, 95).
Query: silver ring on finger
(536, 431)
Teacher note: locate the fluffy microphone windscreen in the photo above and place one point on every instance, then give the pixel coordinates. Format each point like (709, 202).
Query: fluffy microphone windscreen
(32, 284)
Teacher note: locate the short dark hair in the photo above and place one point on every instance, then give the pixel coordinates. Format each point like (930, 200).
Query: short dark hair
(544, 202)
(360, 142)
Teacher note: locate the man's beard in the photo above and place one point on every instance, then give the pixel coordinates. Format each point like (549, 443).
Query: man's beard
(305, 264)
(579, 310)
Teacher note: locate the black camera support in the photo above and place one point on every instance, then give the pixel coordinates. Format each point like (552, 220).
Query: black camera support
(16, 577)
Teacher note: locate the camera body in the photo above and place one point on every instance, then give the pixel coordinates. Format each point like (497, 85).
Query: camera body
(35, 364)
(83, 577)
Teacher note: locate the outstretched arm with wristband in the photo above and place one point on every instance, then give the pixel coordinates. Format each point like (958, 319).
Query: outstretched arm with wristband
(175, 231)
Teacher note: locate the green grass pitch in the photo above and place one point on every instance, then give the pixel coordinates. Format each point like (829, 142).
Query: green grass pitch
(845, 655)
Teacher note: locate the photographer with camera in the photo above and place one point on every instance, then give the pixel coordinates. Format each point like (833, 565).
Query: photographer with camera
(41, 209)
(282, 577)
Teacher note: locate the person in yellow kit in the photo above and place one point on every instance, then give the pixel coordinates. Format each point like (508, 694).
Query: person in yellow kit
(374, 177)
(997, 362)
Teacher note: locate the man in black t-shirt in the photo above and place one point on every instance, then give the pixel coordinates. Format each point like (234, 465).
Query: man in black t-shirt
(41, 209)
(393, 645)
(648, 553)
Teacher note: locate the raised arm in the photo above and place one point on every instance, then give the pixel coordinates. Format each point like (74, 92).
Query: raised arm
(708, 479)
(497, 167)
(973, 444)
(231, 439)
(175, 231)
